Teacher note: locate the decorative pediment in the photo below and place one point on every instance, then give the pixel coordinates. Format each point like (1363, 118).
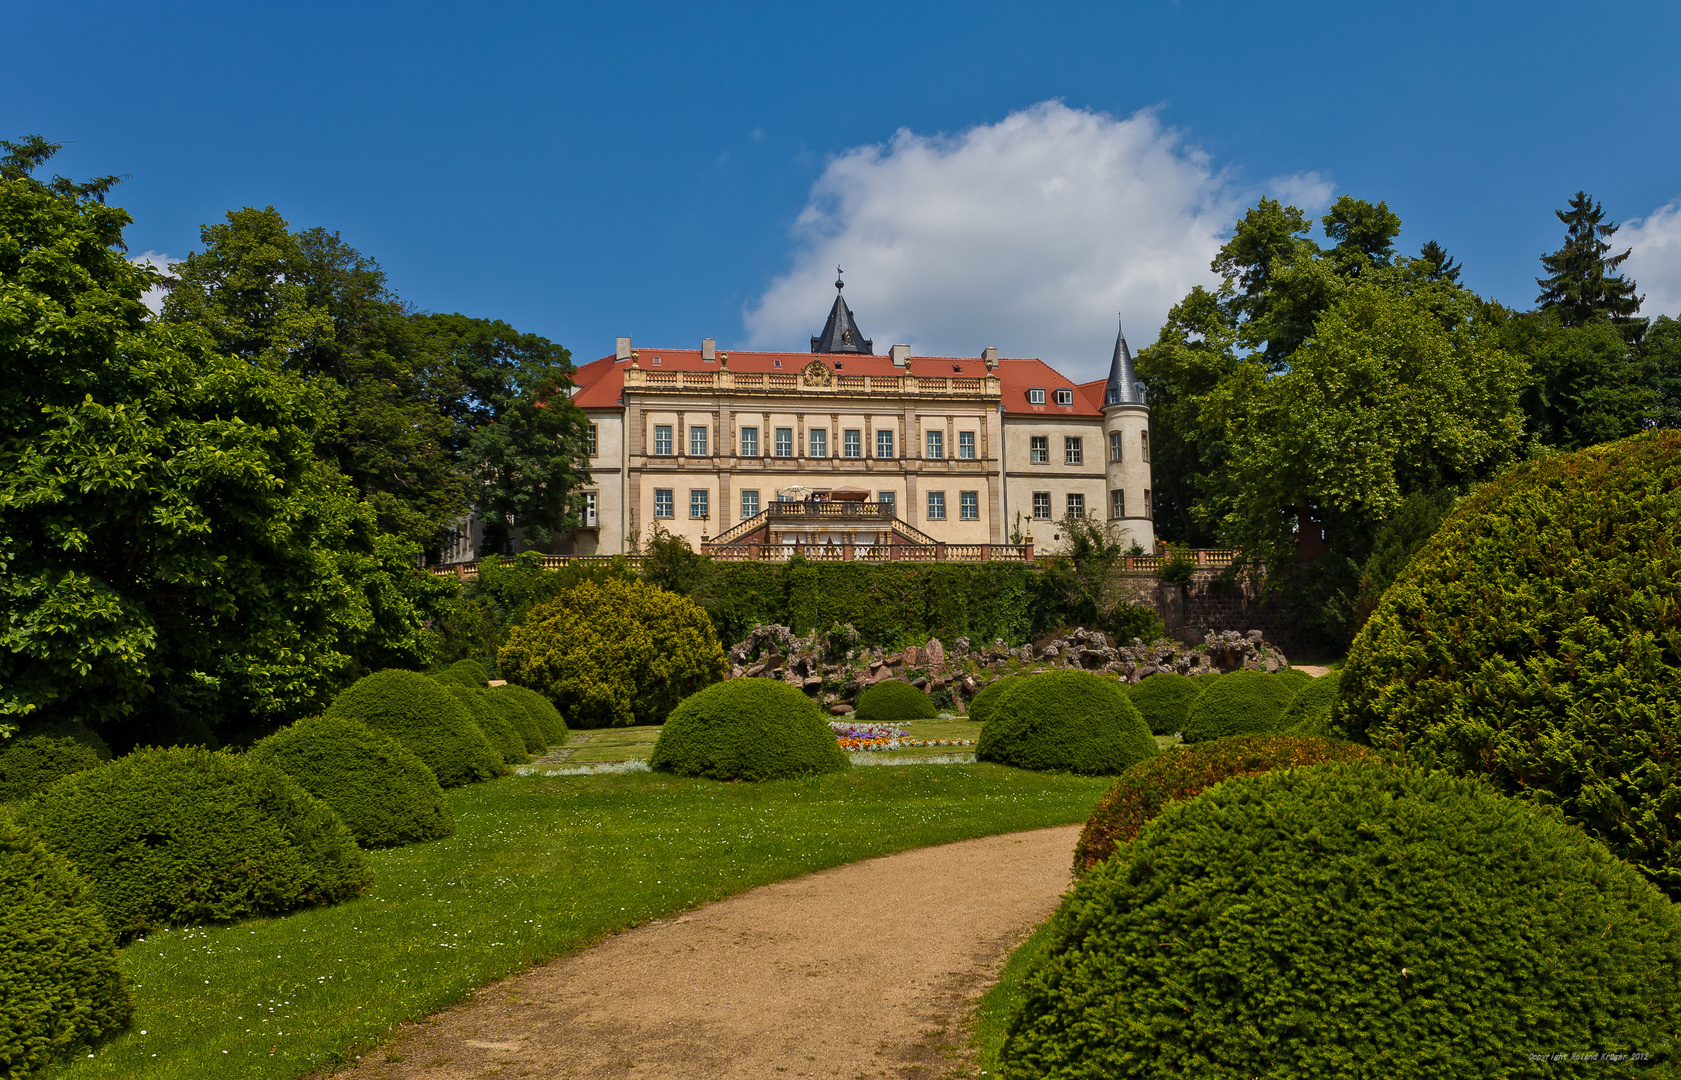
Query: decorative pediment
(817, 373)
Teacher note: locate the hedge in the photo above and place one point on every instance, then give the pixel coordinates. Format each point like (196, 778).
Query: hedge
(32, 727)
(470, 672)
(614, 652)
(172, 837)
(1071, 721)
(1238, 703)
(1353, 920)
(384, 794)
(1163, 699)
(60, 987)
(1310, 710)
(747, 729)
(501, 734)
(1535, 640)
(548, 718)
(982, 704)
(506, 702)
(1296, 677)
(426, 718)
(29, 765)
(893, 701)
(1140, 793)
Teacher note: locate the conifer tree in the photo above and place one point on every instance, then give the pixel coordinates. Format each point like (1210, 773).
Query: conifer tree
(1584, 284)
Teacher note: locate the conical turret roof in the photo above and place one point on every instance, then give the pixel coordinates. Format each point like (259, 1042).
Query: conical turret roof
(1123, 387)
(840, 333)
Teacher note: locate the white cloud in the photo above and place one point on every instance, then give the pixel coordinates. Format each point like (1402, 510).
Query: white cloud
(157, 260)
(1030, 234)
(1655, 259)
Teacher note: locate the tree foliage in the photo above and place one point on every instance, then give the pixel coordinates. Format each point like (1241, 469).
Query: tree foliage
(1581, 283)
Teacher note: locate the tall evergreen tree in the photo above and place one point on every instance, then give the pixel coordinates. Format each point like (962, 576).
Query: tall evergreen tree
(1436, 264)
(1583, 284)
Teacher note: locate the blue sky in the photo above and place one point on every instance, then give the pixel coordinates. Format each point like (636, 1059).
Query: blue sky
(1004, 174)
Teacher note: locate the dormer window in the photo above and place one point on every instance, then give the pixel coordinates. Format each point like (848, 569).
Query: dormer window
(839, 365)
(656, 359)
(1065, 397)
(776, 363)
(1035, 396)
(957, 368)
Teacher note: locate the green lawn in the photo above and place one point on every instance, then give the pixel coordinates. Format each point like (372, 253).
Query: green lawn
(541, 865)
(992, 1014)
(613, 744)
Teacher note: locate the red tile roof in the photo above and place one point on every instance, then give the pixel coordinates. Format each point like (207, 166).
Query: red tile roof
(1094, 392)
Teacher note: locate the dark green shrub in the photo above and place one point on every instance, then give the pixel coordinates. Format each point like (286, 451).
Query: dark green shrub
(747, 729)
(384, 794)
(1310, 710)
(1357, 921)
(60, 988)
(1296, 677)
(1238, 703)
(497, 731)
(1205, 678)
(1163, 699)
(30, 765)
(470, 672)
(506, 702)
(1536, 640)
(980, 708)
(32, 727)
(426, 718)
(1072, 721)
(187, 835)
(548, 718)
(894, 702)
(1140, 793)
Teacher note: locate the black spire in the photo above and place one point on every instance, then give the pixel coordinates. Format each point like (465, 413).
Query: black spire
(840, 333)
(1123, 387)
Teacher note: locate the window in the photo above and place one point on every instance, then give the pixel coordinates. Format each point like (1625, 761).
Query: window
(819, 442)
(852, 443)
(966, 445)
(749, 504)
(697, 442)
(1041, 449)
(936, 506)
(594, 443)
(784, 442)
(1076, 506)
(1042, 505)
(884, 443)
(591, 517)
(697, 503)
(969, 505)
(1149, 507)
(1114, 446)
(749, 442)
(1144, 442)
(662, 502)
(1036, 396)
(936, 444)
(887, 499)
(1117, 504)
(662, 438)
(1071, 452)
(1065, 397)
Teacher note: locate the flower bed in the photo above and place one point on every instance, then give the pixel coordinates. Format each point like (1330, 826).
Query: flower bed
(883, 737)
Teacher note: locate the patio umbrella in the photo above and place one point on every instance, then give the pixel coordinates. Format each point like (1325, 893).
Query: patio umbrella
(795, 491)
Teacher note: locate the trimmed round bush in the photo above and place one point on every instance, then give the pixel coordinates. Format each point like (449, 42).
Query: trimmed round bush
(470, 672)
(172, 837)
(1140, 793)
(60, 987)
(747, 729)
(384, 794)
(1205, 678)
(32, 727)
(894, 702)
(1296, 677)
(1163, 699)
(426, 718)
(614, 653)
(1351, 920)
(506, 703)
(30, 765)
(1535, 640)
(1238, 703)
(542, 710)
(501, 735)
(1310, 710)
(981, 706)
(1070, 721)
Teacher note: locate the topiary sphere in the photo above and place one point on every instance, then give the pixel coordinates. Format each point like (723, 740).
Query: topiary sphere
(33, 726)
(1351, 920)
(894, 702)
(1163, 699)
(1204, 678)
(1070, 721)
(1238, 703)
(506, 703)
(1140, 793)
(30, 765)
(1310, 710)
(1535, 640)
(426, 718)
(747, 729)
(1296, 677)
(980, 708)
(384, 794)
(501, 735)
(542, 710)
(470, 672)
(60, 988)
(186, 835)
(614, 652)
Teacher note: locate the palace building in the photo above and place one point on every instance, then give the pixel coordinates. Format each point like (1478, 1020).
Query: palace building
(843, 447)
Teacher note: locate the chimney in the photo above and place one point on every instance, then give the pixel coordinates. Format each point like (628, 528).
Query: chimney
(901, 355)
(708, 348)
(621, 350)
(990, 355)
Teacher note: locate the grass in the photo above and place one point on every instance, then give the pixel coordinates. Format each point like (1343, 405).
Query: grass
(539, 866)
(614, 744)
(997, 1005)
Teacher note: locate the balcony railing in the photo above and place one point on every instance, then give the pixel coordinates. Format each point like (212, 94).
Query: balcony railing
(836, 383)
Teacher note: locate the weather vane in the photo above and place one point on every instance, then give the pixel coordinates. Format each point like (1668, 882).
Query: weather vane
(839, 284)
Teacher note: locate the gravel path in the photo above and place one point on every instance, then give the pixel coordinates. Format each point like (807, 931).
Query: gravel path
(866, 970)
